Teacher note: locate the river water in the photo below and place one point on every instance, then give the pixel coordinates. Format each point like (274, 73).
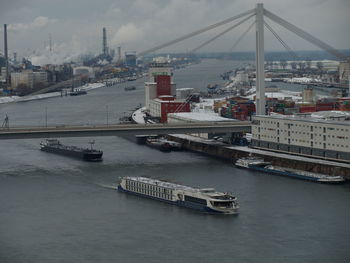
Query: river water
(57, 209)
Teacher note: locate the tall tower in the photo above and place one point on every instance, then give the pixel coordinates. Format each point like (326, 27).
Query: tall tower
(260, 74)
(6, 57)
(50, 42)
(104, 42)
(119, 53)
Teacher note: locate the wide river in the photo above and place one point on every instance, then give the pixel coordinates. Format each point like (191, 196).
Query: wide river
(57, 209)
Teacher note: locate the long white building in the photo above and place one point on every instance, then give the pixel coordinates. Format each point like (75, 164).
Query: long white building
(328, 139)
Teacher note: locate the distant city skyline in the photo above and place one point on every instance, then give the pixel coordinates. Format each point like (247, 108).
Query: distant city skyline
(76, 26)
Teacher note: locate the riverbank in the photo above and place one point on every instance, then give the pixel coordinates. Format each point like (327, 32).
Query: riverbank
(86, 87)
(231, 153)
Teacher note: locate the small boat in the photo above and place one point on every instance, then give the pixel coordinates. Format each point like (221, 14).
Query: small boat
(130, 88)
(206, 200)
(78, 92)
(87, 154)
(258, 164)
(158, 144)
(132, 78)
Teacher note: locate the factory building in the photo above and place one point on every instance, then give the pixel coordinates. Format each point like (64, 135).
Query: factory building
(325, 137)
(160, 93)
(164, 105)
(84, 71)
(160, 83)
(130, 59)
(29, 78)
(344, 71)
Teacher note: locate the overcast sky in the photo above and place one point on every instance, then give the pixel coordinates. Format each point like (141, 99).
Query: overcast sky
(76, 25)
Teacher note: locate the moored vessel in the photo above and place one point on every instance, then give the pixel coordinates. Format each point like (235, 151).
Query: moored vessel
(174, 146)
(158, 144)
(206, 200)
(258, 164)
(55, 146)
(78, 92)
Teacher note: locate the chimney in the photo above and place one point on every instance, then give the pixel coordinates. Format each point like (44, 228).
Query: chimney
(104, 42)
(6, 56)
(119, 54)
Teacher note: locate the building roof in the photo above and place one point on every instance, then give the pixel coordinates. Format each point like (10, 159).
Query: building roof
(199, 116)
(317, 117)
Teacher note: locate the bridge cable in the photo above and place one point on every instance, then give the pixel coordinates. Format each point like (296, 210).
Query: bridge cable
(242, 36)
(252, 11)
(306, 36)
(220, 34)
(284, 44)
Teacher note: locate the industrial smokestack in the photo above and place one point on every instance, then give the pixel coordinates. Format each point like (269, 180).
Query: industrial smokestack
(104, 42)
(6, 56)
(119, 53)
(50, 42)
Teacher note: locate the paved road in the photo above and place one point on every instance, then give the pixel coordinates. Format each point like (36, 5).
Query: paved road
(124, 129)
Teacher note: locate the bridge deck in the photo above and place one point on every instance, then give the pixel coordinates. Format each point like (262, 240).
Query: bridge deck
(123, 129)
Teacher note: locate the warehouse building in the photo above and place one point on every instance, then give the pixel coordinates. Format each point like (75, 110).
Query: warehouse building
(327, 137)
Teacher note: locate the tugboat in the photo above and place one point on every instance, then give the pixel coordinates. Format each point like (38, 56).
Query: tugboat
(55, 146)
(206, 199)
(258, 164)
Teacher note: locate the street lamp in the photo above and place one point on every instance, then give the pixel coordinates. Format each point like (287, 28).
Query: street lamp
(46, 116)
(107, 114)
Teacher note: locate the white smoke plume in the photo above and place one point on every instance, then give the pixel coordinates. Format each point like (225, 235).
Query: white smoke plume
(61, 53)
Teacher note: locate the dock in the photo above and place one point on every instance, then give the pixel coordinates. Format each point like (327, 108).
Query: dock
(230, 153)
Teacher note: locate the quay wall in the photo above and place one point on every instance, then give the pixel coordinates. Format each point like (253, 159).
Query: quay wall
(229, 154)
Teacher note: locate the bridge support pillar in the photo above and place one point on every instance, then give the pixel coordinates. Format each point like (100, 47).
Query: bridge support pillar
(260, 74)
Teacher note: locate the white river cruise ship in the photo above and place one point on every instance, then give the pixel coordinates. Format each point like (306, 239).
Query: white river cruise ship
(206, 199)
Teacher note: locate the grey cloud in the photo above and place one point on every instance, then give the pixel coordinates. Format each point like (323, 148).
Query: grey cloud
(141, 24)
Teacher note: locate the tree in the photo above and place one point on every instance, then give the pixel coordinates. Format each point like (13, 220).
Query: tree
(23, 89)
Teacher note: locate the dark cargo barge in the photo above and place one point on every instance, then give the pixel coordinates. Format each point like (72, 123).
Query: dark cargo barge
(54, 146)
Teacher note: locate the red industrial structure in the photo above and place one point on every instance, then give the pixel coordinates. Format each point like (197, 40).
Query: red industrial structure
(163, 85)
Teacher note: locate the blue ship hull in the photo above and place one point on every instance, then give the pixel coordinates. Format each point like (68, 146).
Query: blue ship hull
(199, 207)
(291, 174)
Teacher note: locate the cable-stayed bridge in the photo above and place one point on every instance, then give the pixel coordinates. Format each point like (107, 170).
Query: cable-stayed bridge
(258, 14)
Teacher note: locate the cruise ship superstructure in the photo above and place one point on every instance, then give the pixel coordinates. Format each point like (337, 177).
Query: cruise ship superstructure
(206, 200)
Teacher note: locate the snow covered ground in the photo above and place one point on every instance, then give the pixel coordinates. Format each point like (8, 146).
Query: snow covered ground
(138, 116)
(85, 87)
(302, 80)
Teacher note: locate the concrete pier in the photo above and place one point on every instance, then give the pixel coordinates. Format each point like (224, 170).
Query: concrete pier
(231, 153)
